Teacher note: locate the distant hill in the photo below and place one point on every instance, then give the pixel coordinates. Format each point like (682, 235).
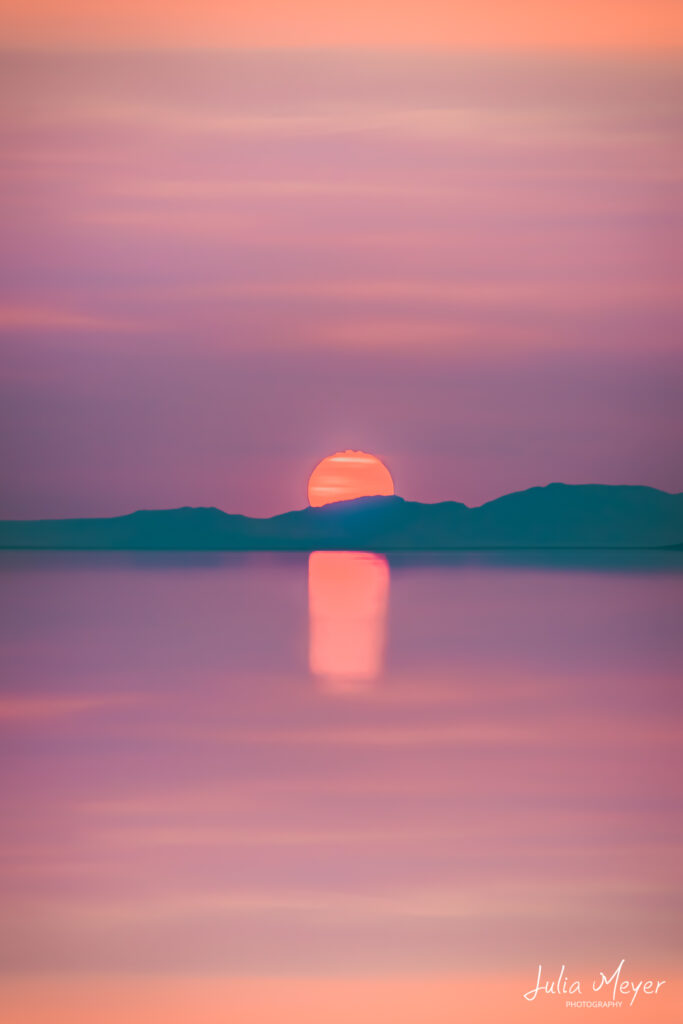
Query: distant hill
(559, 515)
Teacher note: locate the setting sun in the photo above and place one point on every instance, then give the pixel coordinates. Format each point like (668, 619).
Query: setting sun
(347, 475)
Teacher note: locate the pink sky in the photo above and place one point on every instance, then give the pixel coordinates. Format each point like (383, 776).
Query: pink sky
(218, 268)
(611, 25)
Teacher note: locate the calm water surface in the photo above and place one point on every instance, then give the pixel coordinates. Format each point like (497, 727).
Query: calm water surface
(280, 788)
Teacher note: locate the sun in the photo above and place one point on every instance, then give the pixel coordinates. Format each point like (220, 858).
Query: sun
(347, 475)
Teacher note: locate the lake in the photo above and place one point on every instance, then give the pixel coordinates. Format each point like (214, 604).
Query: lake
(271, 788)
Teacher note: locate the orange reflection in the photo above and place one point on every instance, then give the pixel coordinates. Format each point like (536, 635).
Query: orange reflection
(348, 594)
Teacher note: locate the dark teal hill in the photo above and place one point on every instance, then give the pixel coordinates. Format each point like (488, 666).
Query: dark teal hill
(559, 515)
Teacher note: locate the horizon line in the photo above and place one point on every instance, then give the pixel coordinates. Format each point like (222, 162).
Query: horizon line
(346, 501)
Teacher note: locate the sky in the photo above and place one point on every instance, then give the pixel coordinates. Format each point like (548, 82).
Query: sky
(379, 24)
(237, 241)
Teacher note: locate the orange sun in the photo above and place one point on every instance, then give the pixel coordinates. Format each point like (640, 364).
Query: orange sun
(347, 475)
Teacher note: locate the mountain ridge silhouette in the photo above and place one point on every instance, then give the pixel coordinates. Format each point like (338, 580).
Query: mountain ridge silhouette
(553, 516)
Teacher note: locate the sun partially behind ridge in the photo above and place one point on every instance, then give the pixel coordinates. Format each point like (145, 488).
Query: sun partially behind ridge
(347, 475)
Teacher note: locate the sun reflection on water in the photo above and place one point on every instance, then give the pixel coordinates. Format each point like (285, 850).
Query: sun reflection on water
(348, 594)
